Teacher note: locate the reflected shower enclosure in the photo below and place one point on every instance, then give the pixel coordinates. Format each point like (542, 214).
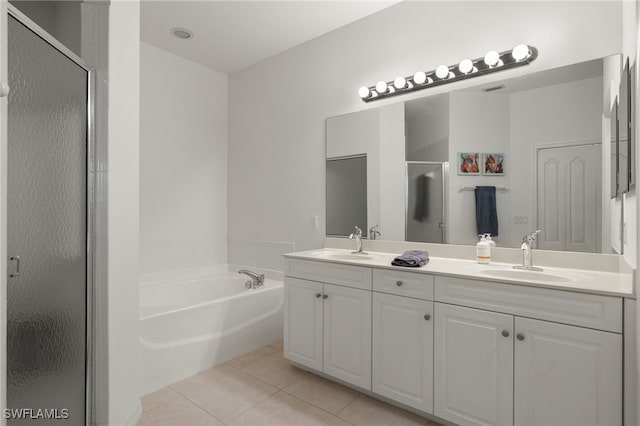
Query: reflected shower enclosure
(425, 201)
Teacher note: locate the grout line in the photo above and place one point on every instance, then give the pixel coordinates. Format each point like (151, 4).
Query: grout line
(315, 406)
(173, 397)
(254, 405)
(348, 405)
(311, 403)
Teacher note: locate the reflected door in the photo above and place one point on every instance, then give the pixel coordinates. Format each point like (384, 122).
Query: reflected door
(47, 231)
(569, 193)
(425, 202)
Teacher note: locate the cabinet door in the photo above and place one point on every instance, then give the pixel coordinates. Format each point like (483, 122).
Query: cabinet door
(473, 366)
(303, 322)
(566, 375)
(347, 334)
(403, 350)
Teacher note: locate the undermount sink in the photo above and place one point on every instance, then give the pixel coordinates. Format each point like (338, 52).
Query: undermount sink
(522, 274)
(342, 255)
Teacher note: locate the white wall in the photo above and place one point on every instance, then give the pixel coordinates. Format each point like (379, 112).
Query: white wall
(123, 210)
(379, 134)
(427, 127)
(478, 123)
(392, 173)
(183, 162)
(277, 108)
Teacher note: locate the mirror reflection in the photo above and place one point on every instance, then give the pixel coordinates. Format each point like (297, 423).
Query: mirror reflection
(532, 143)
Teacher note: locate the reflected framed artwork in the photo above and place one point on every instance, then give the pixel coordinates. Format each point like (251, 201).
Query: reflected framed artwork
(468, 163)
(493, 164)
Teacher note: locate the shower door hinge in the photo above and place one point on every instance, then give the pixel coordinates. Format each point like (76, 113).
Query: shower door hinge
(17, 272)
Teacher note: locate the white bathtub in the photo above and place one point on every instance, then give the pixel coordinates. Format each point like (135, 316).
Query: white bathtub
(192, 323)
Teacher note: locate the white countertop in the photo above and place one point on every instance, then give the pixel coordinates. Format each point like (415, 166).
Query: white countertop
(585, 281)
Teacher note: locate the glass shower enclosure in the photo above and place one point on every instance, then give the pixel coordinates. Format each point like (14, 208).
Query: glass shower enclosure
(425, 201)
(48, 228)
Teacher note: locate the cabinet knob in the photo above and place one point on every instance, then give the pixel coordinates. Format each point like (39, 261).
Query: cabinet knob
(398, 283)
(505, 333)
(427, 317)
(325, 296)
(318, 295)
(520, 336)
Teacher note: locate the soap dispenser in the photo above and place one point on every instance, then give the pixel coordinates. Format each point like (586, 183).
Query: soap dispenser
(490, 241)
(483, 250)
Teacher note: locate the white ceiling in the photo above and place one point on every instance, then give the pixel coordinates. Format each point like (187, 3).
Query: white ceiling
(232, 35)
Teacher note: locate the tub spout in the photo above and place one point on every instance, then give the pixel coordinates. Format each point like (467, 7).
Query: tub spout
(256, 281)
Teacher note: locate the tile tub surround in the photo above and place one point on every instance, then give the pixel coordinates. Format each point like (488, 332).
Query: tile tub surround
(262, 388)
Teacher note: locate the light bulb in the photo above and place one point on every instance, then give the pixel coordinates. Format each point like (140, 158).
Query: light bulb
(364, 92)
(465, 66)
(442, 71)
(492, 58)
(400, 82)
(520, 52)
(419, 77)
(381, 87)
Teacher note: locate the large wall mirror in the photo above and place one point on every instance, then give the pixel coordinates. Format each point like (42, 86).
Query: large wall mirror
(537, 139)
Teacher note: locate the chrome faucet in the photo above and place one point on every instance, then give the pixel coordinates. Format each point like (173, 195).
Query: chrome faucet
(256, 281)
(527, 252)
(358, 237)
(373, 232)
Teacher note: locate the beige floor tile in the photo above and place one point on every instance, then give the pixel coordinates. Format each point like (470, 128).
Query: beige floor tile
(279, 345)
(178, 412)
(323, 393)
(158, 398)
(246, 359)
(230, 394)
(366, 411)
(275, 370)
(283, 409)
(200, 379)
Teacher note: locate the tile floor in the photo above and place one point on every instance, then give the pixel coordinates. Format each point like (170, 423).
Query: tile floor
(263, 388)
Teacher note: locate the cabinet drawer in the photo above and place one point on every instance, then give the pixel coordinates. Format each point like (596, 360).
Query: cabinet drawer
(410, 284)
(331, 273)
(585, 310)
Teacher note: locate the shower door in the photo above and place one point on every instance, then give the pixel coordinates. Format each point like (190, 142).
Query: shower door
(425, 201)
(46, 229)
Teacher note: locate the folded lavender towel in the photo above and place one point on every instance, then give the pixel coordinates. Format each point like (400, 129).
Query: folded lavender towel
(411, 259)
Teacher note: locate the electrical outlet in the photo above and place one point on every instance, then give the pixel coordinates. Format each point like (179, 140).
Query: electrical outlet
(521, 220)
(316, 221)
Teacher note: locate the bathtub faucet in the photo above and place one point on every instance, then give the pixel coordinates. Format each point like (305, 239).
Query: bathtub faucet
(256, 281)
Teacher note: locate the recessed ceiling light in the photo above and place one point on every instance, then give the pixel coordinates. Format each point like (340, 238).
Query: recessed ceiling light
(182, 33)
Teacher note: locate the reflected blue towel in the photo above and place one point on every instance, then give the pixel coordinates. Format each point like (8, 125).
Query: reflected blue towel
(411, 259)
(486, 212)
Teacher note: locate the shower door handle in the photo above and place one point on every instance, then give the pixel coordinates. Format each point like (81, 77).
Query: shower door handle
(17, 272)
(4, 89)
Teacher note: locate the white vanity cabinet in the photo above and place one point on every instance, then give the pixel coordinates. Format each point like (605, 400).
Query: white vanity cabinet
(403, 350)
(566, 375)
(327, 327)
(470, 351)
(303, 328)
(473, 366)
(497, 368)
(347, 334)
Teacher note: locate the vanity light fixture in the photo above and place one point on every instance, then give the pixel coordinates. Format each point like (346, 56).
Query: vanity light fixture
(493, 61)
